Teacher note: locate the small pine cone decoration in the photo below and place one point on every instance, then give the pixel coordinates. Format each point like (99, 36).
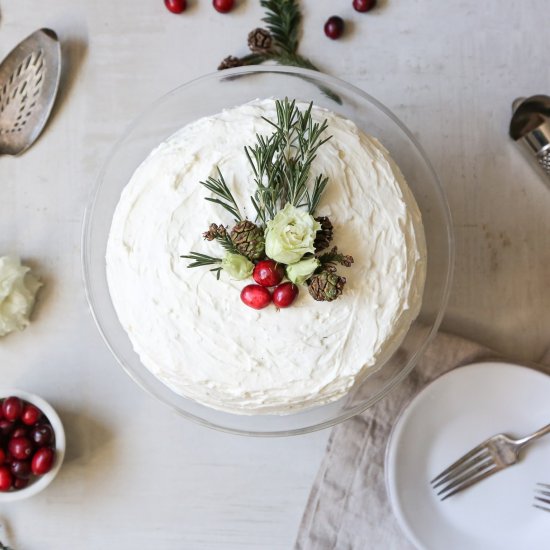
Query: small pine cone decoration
(260, 41)
(248, 238)
(229, 63)
(326, 286)
(215, 232)
(324, 235)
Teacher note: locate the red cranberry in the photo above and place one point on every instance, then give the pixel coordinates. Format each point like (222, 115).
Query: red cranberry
(268, 273)
(31, 414)
(285, 294)
(20, 482)
(21, 468)
(256, 296)
(5, 478)
(20, 447)
(334, 27)
(6, 427)
(2, 456)
(364, 5)
(42, 461)
(176, 6)
(12, 407)
(223, 6)
(42, 435)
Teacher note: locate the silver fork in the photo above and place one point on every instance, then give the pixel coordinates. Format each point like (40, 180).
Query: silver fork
(542, 497)
(494, 454)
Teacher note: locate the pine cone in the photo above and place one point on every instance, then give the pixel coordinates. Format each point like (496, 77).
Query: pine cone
(248, 238)
(214, 232)
(229, 63)
(260, 41)
(324, 235)
(326, 286)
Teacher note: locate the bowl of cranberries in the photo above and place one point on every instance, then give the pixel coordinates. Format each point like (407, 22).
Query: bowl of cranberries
(32, 445)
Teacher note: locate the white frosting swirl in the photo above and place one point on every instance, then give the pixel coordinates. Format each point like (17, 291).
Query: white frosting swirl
(193, 332)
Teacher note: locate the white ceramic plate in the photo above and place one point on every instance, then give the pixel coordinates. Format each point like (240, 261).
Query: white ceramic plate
(450, 416)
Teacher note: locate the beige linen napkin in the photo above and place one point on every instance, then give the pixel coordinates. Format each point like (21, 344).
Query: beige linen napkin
(348, 508)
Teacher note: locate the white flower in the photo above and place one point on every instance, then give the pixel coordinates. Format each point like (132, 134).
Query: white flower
(290, 235)
(18, 288)
(237, 266)
(300, 272)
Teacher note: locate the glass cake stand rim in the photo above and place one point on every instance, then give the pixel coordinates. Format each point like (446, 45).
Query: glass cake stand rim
(322, 79)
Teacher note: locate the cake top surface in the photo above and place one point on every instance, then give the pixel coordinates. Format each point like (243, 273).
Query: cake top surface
(191, 330)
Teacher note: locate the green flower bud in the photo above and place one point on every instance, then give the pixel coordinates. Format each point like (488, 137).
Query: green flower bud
(238, 267)
(300, 272)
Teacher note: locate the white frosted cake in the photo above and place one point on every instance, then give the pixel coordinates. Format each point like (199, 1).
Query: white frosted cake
(192, 331)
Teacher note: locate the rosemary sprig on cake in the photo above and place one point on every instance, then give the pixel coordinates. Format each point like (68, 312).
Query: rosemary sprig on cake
(285, 239)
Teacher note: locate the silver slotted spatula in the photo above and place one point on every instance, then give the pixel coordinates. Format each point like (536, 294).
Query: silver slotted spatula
(29, 79)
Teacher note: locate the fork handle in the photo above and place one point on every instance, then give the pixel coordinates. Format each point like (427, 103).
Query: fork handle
(539, 433)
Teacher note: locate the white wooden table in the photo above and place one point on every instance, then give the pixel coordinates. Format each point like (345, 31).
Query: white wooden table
(138, 476)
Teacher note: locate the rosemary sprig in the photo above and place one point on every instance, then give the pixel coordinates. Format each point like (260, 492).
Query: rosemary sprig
(299, 139)
(200, 260)
(318, 188)
(220, 188)
(266, 164)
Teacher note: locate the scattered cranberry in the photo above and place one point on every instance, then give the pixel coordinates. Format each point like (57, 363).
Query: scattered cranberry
(2, 456)
(12, 407)
(285, 294)
(268, 273)
(223, 6)
(364, 5)
(334, 27)
(20, 447)
(31, 414)
(21, 468)
(20, 482)
(42, 435)
(42, 461)
(176, 6)
(256, 296)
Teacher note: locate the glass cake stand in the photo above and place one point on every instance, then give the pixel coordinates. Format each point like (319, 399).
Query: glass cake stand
(207, 96)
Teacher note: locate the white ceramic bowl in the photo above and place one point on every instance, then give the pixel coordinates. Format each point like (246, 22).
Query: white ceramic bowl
(39, 483)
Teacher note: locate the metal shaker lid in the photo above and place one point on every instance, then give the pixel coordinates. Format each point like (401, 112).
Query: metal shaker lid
(531, 123)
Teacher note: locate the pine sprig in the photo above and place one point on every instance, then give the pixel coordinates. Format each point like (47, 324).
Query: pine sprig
(226, 199)
(283, 20)
(332, 258)
(227, 244)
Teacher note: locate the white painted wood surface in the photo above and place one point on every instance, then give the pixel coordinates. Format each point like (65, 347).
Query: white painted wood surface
(136, 475)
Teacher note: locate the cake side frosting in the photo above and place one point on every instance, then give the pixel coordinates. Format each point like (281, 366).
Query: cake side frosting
(191, 330)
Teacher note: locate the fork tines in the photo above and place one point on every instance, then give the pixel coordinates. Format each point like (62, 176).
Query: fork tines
(542, 497)
(466, 471)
